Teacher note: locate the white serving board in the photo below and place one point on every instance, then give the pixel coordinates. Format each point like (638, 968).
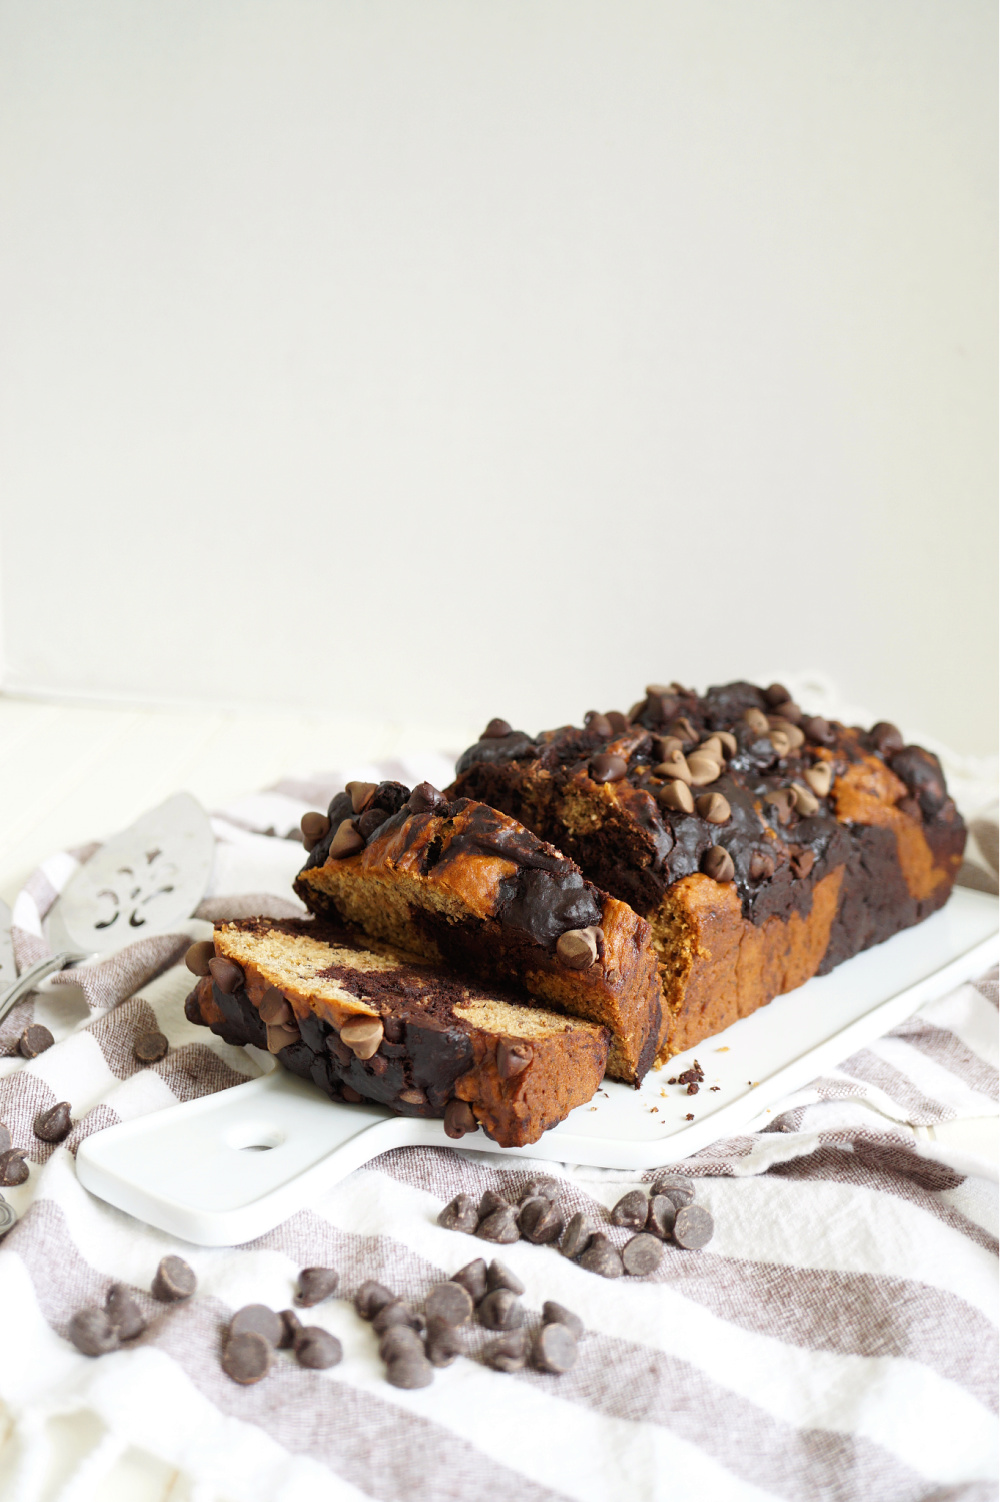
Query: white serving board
(228, 1167)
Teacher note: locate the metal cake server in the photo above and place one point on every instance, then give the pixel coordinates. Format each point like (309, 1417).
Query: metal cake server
(140, 883)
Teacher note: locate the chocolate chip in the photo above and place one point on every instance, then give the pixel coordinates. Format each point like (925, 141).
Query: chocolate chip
(315, 1284)
(54, 1124)
(460, 1213)
(290, 1327)
(619, 723)
(150, 1048)
(683, 729)
(473, 1278)
(459, 1119)
(317, 1349)
(578, 948)
(199, 956)
(630, 1210)
(598, 724)
(443, 1343)
(396, 1313)
(259, 1319)
(693, 1227)
(509, 1353)
(540, 1222)
(281, 1037)
(886, 738)
(818, 729)
(373, 1297)
(174, 1280)
(352, 1096)
(602, 1258)
(400, 1340)
(425, 798)
(642, 1255)
(664, 747)
(782, 800)
(674, 766)
(315, 825)
(123, 1312)
(761, 866)
(704, 769)
(496, 730)
(492, 1201)
(806, 802)
(410, 1371)
(92, 1332)
(35, 1040)
(500, 1310)
(346, 841)
(676, 796)
(793, 735)
(226, 974)
(500, 1227)
(780, 742)
(547, 1187)
(554, 1349)
(360, 794)
(247, 1358)
(371, 820)
(777, 694)
(558, 1314)
(713, 807)
(577, 1235)
(608, 768)
(13, 1168)
(513, 1058)
(676, 1187)
(499, 1275)
(274, 1010)
(718, 863)
(362, 1034)
(660, 1220)
(449, 1302)
(802, 862)
(819, 777)
(757, 720)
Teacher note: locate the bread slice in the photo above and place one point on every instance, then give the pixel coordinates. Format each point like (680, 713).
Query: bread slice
(386, 1027)
(459, 882)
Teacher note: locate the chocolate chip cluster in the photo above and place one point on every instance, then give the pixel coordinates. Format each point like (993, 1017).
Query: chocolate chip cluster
(357, 813)
(96, 1330)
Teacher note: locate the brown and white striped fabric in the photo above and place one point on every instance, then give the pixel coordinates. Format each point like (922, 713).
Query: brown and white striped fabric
(837, 1339)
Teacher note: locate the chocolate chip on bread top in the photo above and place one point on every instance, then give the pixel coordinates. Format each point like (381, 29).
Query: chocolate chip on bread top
(763, 845)
(461, 883)
(381, 1026)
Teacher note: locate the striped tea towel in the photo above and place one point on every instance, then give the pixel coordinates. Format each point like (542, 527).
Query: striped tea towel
(837, 1338)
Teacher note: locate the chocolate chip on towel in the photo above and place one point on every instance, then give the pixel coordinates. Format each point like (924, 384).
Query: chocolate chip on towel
(261, 1320)
(371, 1298)
(501, 1226)
(55, 1123)
(459, 1214)
(631, 1210)
(92, 1332)
(693, 1227)
(13, 1168)
(410, 1371)
(577, 1235)
(602, 1258)
(660, 1221)
(317, 1348)
(491, 1201)
(473, 1279)
(554, 1349)
(150, 1048)
(396, 1313)
(174, 1280)
(290, 1327)
(315, 1285)
(544, 1186)
(642, 1255)
(500, 1276)
(500, 1310)
(558, 1314)
(539, 1221)
(123, 1312)
(450, 1303)
(443, 1343)
(677, 1188)
(35, 1040)
(247, 1357)
(509, 1353)
(399, 1340)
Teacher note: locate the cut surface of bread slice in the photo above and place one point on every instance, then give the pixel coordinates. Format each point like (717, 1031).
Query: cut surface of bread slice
(387, 1027)
(459, 882)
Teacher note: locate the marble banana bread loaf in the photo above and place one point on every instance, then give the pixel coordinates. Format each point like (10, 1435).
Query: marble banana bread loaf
(763, 845)
(464, 885)
(381, 1026)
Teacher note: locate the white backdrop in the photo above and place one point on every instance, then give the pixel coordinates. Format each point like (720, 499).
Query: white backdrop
(477, 357)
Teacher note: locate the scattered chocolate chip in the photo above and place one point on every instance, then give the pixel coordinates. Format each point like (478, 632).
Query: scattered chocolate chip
(409, 1371)
(558, 1314)
(818, 729)
(13, 1169)
(676, 796)
(819, 777)
(578, 948)
(608, 768)
(540, 1221)
(459, 1119)
(314, 826)
(761, 866)
(509, 1353)
(226, 974)
(425, 797)
(803, 861)
(274, 1010)
(396, 1313)
(602, 1258)
(315, 1284)
(598, 724)
(123, 1312)
(513, 1058)
(693, 1227)
(630, 1210)
(660, 1220)
(473, 1278)
(713, 807)
(718, 863)
(806, 802)
(886, 738)
(346, 841)
(676, 1187)
(499, 1275)
(496, 730)
(360, 794)
(492, 1201)
(174, 1280)
(259, 1319)
(398, 1341)
(500, 1227)
(317, 1349)
(247, 1358)
(92, 1332)
(577, 1236)
(547, 1187)
(460, 1213)
(554, 1349)
(35, 1040)
(449, 1302)
(443, 1343)
(704, 769)
(371, 1298)
(757, 720)
(642, 1255)
(150, 1048)
(54, 1124)
(500, 1310)
(290, 1327)
(362, 1034)
(199, 956)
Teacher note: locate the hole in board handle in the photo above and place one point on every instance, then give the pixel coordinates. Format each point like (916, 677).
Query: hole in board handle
(252, 1137)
